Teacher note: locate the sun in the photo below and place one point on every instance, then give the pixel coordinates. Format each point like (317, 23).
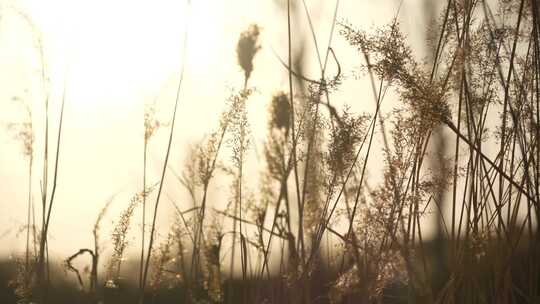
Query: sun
(118, 49)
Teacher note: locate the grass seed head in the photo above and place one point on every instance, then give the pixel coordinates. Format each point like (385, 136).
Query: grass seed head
(246, 49)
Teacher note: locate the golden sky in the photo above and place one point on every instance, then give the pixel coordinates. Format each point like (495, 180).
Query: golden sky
(115, 56)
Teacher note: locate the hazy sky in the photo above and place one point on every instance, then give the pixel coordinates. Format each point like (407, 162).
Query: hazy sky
(115, 56)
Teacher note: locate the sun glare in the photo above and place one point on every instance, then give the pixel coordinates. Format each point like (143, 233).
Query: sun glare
(127, 48)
